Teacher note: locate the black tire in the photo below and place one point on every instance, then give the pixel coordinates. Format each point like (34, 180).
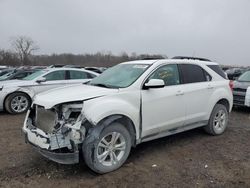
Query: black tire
(9, 100)
(212, 127)
(91, 148)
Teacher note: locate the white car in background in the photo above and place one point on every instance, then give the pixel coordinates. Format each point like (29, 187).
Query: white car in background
(16, 95)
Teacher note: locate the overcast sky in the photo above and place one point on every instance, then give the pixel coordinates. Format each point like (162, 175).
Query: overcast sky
(215, 29)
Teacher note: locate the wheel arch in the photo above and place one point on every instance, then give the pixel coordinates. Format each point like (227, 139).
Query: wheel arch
(224, 102)
(123, 119)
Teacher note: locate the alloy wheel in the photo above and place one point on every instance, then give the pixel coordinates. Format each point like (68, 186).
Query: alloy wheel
(111, 149)
(19, 104)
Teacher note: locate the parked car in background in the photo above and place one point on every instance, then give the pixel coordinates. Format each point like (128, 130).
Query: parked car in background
(241, 90)
(234, 73)
(16, 95)
(6, 71)
(96, 69)
(38, 67)
(128, 104)
(3, 67)
(17, 74)
(74, 66)
(56, 66)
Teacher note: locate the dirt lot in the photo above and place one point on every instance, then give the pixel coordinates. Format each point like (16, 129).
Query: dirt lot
(191, 159)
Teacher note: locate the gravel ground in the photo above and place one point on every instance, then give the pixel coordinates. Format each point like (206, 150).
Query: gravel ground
(190, 159)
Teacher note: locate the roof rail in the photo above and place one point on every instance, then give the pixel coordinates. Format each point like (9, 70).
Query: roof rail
(192, 58)
(152, 58)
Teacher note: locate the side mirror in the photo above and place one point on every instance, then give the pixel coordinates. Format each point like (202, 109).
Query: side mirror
(154, 83)
(42, 79)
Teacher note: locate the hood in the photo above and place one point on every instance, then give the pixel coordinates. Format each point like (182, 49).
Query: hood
(73, 93)
(242, 85)
(14, 83)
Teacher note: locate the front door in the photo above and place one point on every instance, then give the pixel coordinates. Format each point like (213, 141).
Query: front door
(163, 108)
(53, 80)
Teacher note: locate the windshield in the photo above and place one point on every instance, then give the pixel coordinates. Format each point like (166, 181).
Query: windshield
(245, 77)
(119, 76)
(34, 75)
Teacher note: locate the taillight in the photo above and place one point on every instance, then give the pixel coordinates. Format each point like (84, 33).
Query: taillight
(231, 84)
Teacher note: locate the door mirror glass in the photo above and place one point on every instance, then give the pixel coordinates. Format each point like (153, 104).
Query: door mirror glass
(42, 79)
(154, 83)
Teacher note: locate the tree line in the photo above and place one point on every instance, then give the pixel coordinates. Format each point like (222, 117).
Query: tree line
(23, 48)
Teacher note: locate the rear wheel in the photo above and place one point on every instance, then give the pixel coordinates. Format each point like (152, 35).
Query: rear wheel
(109, 150)
(218, 120)
(17, 103)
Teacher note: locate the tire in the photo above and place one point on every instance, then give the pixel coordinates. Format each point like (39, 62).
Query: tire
(17, 103)
(99, 158)
(218, 120)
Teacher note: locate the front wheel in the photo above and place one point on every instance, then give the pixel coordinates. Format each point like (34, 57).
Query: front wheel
(109, 150)
(218, 120)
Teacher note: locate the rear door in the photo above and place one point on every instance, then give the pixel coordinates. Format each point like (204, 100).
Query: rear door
(197, 88)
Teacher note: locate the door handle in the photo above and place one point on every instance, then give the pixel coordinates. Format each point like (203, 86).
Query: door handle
(179, 93)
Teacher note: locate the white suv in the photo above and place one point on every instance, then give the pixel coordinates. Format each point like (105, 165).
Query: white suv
(128, 104)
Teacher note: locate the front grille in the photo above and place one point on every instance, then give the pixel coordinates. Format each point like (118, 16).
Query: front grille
(45, 119)
(240, 90)
(239, 99)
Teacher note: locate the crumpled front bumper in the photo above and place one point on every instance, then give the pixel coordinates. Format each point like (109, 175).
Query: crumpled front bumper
(41, 144)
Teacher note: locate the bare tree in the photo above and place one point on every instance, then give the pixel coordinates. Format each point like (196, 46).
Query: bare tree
(24, 46)
(7, 58)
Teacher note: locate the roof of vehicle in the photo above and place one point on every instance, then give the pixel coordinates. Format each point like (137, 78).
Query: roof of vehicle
(159, 61)
(66, 68)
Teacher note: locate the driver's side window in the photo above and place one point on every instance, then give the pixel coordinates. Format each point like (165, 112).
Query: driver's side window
(168, 73)
(56, 75)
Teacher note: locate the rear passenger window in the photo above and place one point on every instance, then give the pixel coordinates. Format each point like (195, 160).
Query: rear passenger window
(193, 74)
(56, 75)
(78, 75)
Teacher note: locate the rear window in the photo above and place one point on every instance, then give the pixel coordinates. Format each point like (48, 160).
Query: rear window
(192, 74)
(218, 70)
(77, 75)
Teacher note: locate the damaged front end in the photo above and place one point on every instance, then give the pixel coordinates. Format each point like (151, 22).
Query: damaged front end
(57, 133)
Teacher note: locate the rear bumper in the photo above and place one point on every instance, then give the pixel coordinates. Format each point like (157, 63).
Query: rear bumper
(239, 98)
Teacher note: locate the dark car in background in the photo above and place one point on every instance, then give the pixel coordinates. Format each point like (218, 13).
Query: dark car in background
(6, 71)
(98, 70)
(234, 73)
(240, 88)
(16, 74)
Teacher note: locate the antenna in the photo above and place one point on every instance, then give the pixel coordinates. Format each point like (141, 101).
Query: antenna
(193, 54)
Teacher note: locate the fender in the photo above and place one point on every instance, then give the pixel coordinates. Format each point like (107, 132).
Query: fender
(94, 132)
(27, 91)
(97, 109)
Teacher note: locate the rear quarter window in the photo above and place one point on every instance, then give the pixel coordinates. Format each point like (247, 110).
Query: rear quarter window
(218, 70)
